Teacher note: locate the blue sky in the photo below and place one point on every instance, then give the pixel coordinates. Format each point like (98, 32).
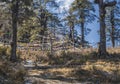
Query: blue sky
(93, 36)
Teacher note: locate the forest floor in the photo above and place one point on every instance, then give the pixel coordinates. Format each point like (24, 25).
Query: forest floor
(76, 74)
(46, 74)
(64, 67)
(72, 67)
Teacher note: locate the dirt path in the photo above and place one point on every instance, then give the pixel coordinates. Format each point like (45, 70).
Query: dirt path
(44, 74)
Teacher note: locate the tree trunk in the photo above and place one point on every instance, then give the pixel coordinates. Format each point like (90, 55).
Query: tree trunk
(73, 36)
(15, 8)
(102, 48)
(82, 34)
(43, 23)
(82, 28)
(113, 29)
(51, 45)
(70, 35)
(54, 30)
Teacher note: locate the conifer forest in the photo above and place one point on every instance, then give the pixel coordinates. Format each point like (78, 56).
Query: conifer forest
(59, 41)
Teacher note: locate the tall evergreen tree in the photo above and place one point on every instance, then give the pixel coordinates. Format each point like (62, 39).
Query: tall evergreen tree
(71, 23)
(102, 12)
(15, 9)
(83, 11)
(113, 28)
(43, 14)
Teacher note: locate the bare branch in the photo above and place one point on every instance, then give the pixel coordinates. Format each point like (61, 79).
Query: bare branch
(109, 4)
(96, 1)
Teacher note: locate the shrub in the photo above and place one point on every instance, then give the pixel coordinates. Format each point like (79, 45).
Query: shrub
(13, 73)
(19, 53)
(8, 51)
(3, 50)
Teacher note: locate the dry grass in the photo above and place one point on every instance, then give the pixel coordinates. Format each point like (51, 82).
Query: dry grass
(11, 73)
(91, 68)
(114, 50)
(52, 72)
(61, 71)
(108, 74)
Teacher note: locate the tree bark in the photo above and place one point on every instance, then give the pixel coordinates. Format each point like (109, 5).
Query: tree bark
(102, 48)
(113, 29)
(15, 9)
(73, 40)
(51, 45)
(70, 35)
(82, 29)
(43, 22)
(82, 33)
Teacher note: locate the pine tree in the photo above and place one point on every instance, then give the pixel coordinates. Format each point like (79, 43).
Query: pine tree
(15, 8)
(71, 23)
(113, 28)
(44, 15)
(82, 10)
(102, 5)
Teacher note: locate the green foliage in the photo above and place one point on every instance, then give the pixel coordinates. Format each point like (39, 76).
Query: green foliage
(68, 58)
(8, 51)
(35, 34)
(83, 7)
(3, 50)
(61, 59)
